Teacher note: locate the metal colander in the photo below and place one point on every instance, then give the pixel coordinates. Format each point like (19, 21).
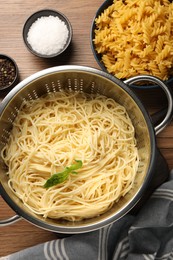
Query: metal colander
(89, 80)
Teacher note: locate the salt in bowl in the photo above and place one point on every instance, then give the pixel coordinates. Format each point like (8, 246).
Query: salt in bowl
(47, 33)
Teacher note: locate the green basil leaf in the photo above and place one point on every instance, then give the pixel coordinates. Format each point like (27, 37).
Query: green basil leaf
(60, 177)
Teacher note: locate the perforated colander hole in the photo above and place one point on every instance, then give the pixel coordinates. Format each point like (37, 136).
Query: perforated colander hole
(10, 120)
(2, 143)
(59, 85)
(81, 85)
(30, 97)
(6, 131)
(35, 94)
(16, 109)
(92, 87)
(75, 85)
(69, 85)
(13, 114)
(24, 100)
(5, 136)
(98, 90)
(47, 88)
(53, 87)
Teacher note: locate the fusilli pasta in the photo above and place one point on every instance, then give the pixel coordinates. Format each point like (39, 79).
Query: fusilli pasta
(136, 37)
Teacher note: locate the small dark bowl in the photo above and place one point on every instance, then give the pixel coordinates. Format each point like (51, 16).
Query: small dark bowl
(9, 73)
(98, 56)
(46, 13)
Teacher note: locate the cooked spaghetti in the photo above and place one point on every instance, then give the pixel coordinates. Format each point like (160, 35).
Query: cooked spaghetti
(53, 131)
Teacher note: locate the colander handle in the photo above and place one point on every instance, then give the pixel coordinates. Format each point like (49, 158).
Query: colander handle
(8, 221)
(169, 112)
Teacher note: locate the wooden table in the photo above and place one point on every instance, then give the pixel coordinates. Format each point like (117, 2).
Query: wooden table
(13, 14)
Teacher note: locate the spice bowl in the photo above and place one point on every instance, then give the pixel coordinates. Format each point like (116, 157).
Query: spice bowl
(47, 33)
(9, 73)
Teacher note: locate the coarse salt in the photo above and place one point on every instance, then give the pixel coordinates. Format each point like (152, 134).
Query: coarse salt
(48, 35)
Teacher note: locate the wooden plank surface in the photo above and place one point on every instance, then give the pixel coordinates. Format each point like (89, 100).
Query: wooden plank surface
(13, 14)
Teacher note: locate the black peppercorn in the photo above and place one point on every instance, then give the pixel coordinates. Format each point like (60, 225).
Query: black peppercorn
(7, 72)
